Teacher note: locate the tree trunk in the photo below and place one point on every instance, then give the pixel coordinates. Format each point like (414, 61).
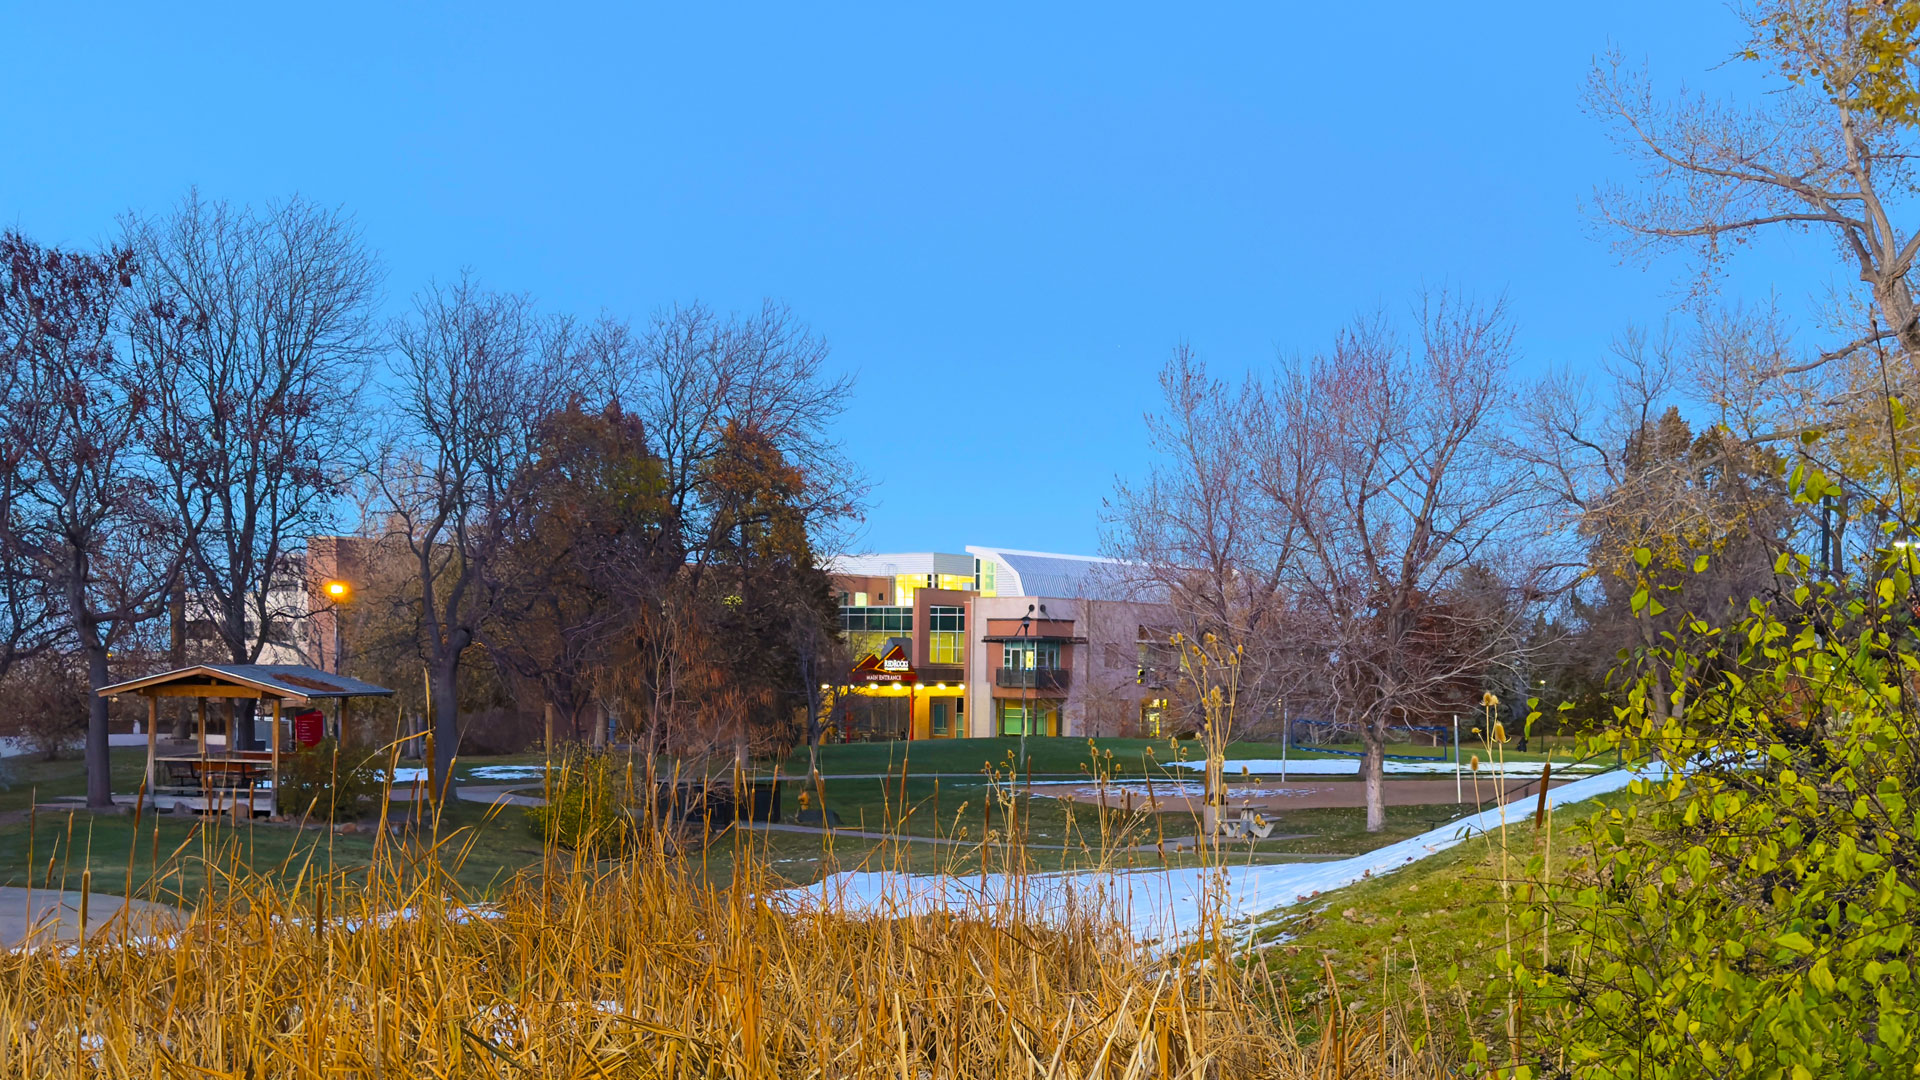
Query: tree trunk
(99, 761)
(240, 716)
(177, 658)
(446, 727)
(1373, 767)
(814, 731)
(599, 714)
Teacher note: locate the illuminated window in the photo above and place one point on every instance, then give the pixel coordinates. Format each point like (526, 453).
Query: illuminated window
(1038, 718)
(1028, 655)
(868, 628)
(889, 620)
(1152, 713)
(946, 635)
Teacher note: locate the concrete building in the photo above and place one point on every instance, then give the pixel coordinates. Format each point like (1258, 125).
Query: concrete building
(995, 641)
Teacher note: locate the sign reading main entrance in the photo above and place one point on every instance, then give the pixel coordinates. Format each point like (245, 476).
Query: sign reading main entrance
(893, 667)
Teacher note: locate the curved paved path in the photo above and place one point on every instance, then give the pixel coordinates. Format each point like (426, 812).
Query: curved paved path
(51, 915)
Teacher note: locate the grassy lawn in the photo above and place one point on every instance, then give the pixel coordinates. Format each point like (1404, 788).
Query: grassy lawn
(1075, 756)
(1441, 917)
(960, 804)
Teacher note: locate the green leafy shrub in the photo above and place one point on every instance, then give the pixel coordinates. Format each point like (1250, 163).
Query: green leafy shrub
(1753, 914)
(586, 807)
(328, 783)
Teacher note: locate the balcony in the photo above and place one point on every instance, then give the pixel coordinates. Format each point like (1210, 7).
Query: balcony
(1046, 678)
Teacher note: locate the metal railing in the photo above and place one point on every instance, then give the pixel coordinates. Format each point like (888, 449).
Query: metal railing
(1044, 678)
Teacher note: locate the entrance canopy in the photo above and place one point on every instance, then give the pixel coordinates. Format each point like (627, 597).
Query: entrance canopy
(270, 684)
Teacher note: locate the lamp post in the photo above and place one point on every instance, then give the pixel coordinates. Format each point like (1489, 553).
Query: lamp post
(338, 594)
(1025, 655)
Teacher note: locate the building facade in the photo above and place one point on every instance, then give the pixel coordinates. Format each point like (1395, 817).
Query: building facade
(994, 641)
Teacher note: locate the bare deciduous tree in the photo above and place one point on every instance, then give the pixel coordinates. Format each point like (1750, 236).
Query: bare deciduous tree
(1388, 463)
(693, 377)
(693, 374)
(476, 374)
(90, 514)
(252, 332)
(1201, 532)
(1716, 173)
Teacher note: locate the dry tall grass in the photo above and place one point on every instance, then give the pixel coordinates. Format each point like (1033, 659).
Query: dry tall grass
(641, 968)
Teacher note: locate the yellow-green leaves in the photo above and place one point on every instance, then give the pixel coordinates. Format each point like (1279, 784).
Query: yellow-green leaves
(1756, 910)
(1796, 941)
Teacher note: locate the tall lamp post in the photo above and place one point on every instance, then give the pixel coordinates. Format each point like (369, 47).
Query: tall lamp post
(338, 594)
(1026, 680)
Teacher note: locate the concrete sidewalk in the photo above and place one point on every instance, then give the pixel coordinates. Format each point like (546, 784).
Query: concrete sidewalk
(51, 915)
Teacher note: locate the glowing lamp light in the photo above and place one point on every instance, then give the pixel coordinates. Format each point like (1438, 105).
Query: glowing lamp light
(338, 591)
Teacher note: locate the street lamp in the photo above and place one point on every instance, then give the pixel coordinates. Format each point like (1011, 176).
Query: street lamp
(338, 592)
(1026, 680)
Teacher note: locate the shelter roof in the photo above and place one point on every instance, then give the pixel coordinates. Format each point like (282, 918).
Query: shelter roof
(293, 681)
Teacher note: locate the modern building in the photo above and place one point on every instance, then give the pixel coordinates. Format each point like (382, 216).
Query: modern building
(995, 641)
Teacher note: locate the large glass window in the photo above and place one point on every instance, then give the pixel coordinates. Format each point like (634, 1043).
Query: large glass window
(946, 635)
(868, 628)
(1037, 717)
(1028, 655)
(879, 620)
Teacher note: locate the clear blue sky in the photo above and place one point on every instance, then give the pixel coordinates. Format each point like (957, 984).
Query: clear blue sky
(1006, 214)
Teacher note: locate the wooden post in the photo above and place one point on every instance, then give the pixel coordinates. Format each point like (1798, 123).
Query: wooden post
(153, 734)
(203, 729)
(275, 772)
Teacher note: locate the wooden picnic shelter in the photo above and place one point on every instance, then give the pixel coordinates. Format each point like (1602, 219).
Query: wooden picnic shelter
(216, 782)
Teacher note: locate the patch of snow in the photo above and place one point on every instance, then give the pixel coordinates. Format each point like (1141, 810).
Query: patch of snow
(1174, 789)
(508, 772)
(1162, 906)
(1351, 767)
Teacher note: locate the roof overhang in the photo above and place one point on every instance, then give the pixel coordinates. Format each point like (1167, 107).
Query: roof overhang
(283, 682)
(201, 680)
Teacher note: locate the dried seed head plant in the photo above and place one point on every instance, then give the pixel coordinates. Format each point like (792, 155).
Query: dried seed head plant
(640, 965)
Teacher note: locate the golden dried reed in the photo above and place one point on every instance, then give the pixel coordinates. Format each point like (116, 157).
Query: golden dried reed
(640, 967)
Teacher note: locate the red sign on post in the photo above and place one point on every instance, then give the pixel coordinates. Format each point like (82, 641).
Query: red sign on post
(309, 727)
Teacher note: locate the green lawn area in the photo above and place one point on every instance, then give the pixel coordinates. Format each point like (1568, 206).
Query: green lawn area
(947, 795)
(1441, 917)
(1075, 756)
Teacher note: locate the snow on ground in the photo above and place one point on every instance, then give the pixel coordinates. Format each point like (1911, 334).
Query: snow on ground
(509, 772)
(1166, 789)
(1351, 767)
(1160, 905)
(409, 774)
